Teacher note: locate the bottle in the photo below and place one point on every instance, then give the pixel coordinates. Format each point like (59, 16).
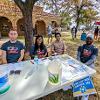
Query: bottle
(54, 72)
(36, 60)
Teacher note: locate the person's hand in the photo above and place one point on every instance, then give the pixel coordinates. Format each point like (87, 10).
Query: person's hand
(27, 56)
(54, 54)
(19, 61)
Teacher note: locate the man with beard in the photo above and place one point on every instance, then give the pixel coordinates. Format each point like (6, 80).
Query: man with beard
(87, 54)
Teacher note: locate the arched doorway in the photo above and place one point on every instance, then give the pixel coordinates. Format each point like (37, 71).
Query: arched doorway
(40, 27)
(20, 27)
(5, 26)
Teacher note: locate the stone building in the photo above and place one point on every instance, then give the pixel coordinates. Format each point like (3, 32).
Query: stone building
(11, 17)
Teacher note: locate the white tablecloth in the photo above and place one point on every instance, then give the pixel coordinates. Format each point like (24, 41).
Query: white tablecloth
(32, 83)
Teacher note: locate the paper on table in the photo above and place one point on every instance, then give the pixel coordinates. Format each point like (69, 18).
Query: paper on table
(72, 71)
(19, 66)
(4, 68)
(66, 73)
(12, 66)
(46, 62)
(80, 67)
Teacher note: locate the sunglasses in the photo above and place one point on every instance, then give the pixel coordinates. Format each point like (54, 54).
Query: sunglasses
(15, 72)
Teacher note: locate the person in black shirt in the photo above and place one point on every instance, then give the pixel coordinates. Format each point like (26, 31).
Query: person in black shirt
(38, 49)
(96, 33)
(12, 50)
(74, 32)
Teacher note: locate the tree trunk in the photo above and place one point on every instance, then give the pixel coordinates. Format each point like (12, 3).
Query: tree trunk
(27, 9)
(28, 29)
(77, 18)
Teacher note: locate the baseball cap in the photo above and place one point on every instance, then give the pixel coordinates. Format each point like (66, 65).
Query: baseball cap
(90, 36)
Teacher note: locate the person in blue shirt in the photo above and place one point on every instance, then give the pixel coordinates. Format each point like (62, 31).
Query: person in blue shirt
(83, 36)
(12, 50)
(87, 54)
(38, 49)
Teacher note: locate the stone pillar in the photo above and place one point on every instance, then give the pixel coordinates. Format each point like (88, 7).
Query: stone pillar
(14, 22)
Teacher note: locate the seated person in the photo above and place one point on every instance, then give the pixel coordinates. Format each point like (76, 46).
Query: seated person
(12, 50)
(58, 46)
(87, 54)
(38, 49)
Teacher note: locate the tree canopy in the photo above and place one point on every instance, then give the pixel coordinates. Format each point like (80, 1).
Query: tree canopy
(72, 10)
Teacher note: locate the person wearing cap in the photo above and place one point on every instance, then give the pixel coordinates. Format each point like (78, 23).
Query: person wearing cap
(12, 50)
(87, 54)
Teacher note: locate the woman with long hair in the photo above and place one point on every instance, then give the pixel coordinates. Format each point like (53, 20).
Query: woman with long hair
(38, 49)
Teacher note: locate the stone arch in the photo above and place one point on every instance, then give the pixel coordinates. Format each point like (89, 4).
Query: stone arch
(20, 27)
(5, 25)
(40, 27)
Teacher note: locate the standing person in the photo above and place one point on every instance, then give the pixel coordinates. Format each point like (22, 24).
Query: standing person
(38, 49)
(87, 54)
(49, 30)
(83, 36)
(99, 35)
(96, 33)
(58, 29)
(12, 50)
(58, 46)
(74, 32)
